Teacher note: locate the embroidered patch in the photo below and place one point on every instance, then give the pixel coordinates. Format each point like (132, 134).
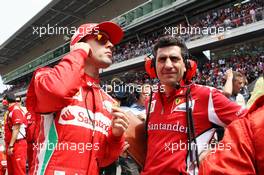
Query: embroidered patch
(152, 106)
(59, 172)
(108, 105)
(177, 101)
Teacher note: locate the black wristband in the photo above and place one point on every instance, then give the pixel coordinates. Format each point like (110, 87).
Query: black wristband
(11, 146)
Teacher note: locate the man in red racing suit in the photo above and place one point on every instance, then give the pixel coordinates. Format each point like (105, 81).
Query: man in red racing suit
(79, 129)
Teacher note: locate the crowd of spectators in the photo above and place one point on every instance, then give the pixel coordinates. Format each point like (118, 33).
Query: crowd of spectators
(249, 60)
(231, 16)
(212, 73)
(133, 49)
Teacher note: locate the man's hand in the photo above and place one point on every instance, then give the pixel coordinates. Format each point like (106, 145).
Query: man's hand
(125, 147)
(10, 151)
(120, 122)
(142, 117)
(81, 45)
(229, 74)
(204, 154)
(124, 150)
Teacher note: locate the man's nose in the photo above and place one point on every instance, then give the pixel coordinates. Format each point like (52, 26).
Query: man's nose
(168, 64)
(109, 44)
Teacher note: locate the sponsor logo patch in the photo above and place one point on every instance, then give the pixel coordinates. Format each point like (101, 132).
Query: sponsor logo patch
(76, 115)
(182, 106)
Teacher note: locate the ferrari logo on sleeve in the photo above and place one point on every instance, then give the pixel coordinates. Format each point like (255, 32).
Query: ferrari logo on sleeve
(180, 105)
(177, 101)
(78, 95)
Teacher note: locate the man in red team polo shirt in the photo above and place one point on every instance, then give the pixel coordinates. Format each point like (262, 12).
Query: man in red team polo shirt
(16, 144)
(167, 151)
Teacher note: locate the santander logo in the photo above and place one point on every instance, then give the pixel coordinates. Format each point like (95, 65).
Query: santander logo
(67, 115)
(77, 116)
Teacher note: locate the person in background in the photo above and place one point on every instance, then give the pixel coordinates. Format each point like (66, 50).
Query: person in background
(245, 135)
(3, 162)
(124, 95)
(15, 136)
(139, 106)
(234, 83)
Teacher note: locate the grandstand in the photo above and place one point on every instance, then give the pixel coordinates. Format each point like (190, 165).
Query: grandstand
(25, 50)
(143, 22)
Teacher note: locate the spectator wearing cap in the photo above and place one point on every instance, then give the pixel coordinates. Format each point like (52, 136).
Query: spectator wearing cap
(79, 121)
(16, 144)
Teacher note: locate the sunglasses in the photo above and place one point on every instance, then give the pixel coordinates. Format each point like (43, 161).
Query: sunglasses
(100, 37)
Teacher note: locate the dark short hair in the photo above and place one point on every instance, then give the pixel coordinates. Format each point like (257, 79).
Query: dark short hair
(10, 97)
(167, 41)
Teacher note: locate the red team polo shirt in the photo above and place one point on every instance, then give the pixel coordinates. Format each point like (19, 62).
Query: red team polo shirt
(15, 116)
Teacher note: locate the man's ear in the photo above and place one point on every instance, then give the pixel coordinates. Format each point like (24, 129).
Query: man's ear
(185, 68)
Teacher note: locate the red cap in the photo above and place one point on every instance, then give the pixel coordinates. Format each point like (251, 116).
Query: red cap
(4, 102)
(114, 32)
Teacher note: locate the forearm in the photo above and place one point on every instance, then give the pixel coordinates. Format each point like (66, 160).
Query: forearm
(52, 86)
(228, 88)
(112, 150)
(66, 75)
(15, 132)
(115, 141)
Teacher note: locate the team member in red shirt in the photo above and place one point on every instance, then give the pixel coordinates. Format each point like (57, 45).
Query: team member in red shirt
(169, 128)
(84, 131)
(2, 160)
(16, 144)
(31, 137)
(246, 155)
(30, 132)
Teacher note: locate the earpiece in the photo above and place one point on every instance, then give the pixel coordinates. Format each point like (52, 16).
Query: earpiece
(191, 67)
(150, 66)
(190, 64)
